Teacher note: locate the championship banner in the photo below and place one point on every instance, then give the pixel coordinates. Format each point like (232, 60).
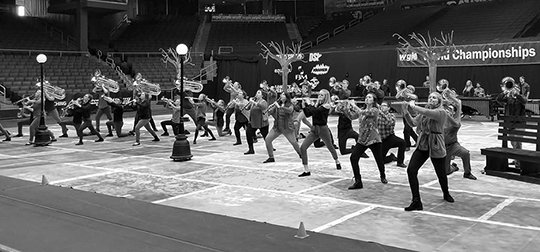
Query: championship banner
(515, 53)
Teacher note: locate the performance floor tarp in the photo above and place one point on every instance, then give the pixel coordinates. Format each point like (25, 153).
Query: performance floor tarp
(34, 217)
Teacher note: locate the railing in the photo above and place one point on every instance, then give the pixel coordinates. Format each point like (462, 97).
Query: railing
(338, 30)
(323, 38)
(205, 71)
(3, 93)
(147, 54)
(48, 52)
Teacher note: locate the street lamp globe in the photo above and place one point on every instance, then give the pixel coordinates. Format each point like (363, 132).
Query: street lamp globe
(41, 58)
(182, 49)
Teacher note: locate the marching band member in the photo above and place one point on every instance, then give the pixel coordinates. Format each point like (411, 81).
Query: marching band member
(36, 114)
(387, 122)
(374, 88)
(143, 111)
(233, 89)
(368, 137)
(50, 110)
(430, 123)
(282, 111)
(71, 108)
(406, 93)
(271, 95)
(137, 93)
(175, 119)
(257, 120)
(319, 113)
(344, 126)
(219, 112)
(453, 148)
(5, 133)
(103, 105)
(241, 115)
(299, 115)
(201, 119)
(85, 109)
(26, 112)
(118, 121)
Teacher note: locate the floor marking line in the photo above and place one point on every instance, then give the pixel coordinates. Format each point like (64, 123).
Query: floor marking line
(496, 209)
(319, 186)
(342, 219)
(430, 183)
(82, 177)
(187, 194)
(4, 248)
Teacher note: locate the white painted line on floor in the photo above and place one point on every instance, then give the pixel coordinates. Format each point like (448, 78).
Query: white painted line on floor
(82, 177)
(490, 194)
(4, 248)
(343, 219)
(188, 194)
(319, 186)
(496, 209)
(430, 183)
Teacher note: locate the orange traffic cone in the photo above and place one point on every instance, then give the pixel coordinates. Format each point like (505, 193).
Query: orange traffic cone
(301, 234)
(44, 180)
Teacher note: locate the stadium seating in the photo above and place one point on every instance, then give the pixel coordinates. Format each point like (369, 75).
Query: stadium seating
(243, 37)
(150, 34)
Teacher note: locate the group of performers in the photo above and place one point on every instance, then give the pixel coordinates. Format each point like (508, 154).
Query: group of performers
(437, 124)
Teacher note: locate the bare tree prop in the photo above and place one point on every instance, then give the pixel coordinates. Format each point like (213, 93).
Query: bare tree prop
(430, 48)
(284, 55)
(172, 57)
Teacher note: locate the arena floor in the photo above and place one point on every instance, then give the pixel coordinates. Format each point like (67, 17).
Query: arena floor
(490, 214)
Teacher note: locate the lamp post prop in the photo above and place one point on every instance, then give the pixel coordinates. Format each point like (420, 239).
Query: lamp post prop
(43, 136)
(181, 150)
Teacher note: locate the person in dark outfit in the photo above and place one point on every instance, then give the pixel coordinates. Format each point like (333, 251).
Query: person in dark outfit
(85, 110)
(143, 111)
(118, 121)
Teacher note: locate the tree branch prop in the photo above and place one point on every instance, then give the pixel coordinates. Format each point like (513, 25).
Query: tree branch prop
(172, 57)
(284, 55)
(431, 48)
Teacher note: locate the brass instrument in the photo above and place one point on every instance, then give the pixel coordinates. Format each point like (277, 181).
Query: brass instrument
(193, 86)
(71, 104)
(52, 92)
(406, 102)
(24, 100)
(147, 87)
(101, 82)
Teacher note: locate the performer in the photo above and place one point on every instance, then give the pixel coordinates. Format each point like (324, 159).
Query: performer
(137, 93)
(103, 106)
(319, 113)
(175, 117)
(514, 104)
(118, 121)
(368, 137)
(299, 115)
(387, 122)
(257, 120)
(282, 111)
(241, 115)
(344, 126)
(143, 111)
(201, 118)
(430, 122)
(26, 116)
(85, 110)
(5, 133)
(406, 93)
(36, 114)
(271, 95)
(71, 109)
(524, 87)
(233, 89)
(374, 88)
(219, 112)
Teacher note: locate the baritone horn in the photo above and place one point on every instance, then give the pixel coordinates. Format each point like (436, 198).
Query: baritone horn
(101, 82)
(147, 87)
(193, 86)
(52, 92)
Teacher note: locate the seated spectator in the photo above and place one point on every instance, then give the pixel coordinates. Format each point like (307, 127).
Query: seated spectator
(479, 91)
(468, 91)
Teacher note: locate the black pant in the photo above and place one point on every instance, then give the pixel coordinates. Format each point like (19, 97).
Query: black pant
(228, 114)
(237, 126)
(250, 134)
(408, 132)
(87, 123)
(117, 127)
(175, 126)
(392, 141)
(23, 122)
(318, 143)
(152, 123)
(358, 150)
(343, 136)
(417, 160)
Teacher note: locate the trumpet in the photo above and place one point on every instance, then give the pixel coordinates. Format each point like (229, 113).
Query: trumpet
(270, 107)
(405, 102)
(23, 101)
(147, 87)
(193, 86)
(71, 104)
(52, 92)
(101, 82)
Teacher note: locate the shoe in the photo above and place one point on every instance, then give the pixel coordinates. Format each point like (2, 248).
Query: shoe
(269, 160)
(384, 181)
(364, 155)
(336, 147)
(357, 184)
(338, 166)
(79, 143)
(64, 135)
(109, 135)
(402, 165)
(393, 157)
(237, 143)
(194, 141)
(136, 144)
(29, 143)
(165, 134)
(212, 139)
(155, 139)
(416, 205)
(54, 140)
(305, 174)
(18, 135)
(249, 152)
(448, 198)
(407, 149)
(320, 145)
(255, 140)
(453, 168)
(99, 140)
(7, 139)
(469, 176)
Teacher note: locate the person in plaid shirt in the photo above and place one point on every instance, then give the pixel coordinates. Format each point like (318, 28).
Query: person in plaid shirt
(386, 124)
